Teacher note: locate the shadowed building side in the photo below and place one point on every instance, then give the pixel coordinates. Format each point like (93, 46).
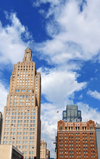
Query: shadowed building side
(1, 119)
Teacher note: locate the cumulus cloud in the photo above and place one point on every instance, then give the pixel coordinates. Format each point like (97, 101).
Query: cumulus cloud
(58, 85)
(75, 32)
(3, 96)
(94, 94)
(37, 3)
(14, 38)
(88, 112)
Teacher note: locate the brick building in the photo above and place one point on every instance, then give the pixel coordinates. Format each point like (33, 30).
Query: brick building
(76, 140)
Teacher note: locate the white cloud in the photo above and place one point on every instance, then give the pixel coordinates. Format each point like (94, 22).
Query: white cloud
(75, 34)
(81, 96)
(37, 3)
(3, 96)
(88, 112)
(12, 45)
(58, 85)
(94, 94)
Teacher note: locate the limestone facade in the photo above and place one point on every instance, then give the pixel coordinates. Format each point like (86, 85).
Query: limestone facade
(10, 152)
(22, 124)
(43, 149)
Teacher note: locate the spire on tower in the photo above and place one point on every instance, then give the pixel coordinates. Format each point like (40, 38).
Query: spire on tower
(27, 55)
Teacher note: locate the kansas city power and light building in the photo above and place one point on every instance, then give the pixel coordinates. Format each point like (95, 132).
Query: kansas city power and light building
(21, 120)
(77, 139)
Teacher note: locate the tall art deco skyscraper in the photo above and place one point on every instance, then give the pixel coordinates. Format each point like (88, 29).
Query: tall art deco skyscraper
(21, 124)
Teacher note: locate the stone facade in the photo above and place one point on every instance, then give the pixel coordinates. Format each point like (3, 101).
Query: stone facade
(21, 124)
(76, 140)
(43, 149)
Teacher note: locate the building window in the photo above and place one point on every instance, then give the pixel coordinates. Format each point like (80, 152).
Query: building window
(60, 128)
(91, 128)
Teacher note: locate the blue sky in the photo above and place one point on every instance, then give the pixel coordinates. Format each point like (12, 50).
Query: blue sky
(64, 37)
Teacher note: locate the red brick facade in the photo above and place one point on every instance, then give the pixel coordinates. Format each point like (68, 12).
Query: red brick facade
(76, 140)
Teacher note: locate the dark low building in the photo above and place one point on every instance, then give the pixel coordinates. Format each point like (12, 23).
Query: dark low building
(1, 118)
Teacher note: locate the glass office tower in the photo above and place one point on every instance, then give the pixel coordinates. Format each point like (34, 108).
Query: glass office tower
(72, 114)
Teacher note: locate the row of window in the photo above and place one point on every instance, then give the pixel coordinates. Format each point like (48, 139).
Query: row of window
(20, 114)
(76, 152)
(76, 144)
(76, 128)
(74, 133)
(76, 141)
(31, 129)
(66, 137)
(23, 86)
(25, 66)
(25, 103)
(77, 156)
(21, 83)
(22, 96)
(19, 125)
(20, 117)
(23, 90)
(20, 72)
(13, 142)
(25, 125)
(85, 156)
(21, 121)
(77, 148)
(24, 69)
(7, 133)
(30, 152)
(22, 100)
(24, 74)
(20, 137)
(19, 142)
(20, 110)
(24, 78)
